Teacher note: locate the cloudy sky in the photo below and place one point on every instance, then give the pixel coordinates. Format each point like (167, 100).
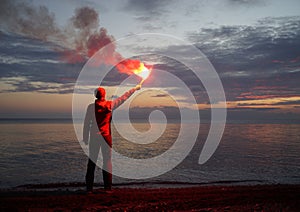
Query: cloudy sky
(254, 45)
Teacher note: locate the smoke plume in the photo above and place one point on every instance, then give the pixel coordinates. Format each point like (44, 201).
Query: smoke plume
(21, 18)
(81, 35)
(86, 37)
(81, 38)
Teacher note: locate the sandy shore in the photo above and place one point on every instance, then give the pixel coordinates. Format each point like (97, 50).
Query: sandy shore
(202, 198)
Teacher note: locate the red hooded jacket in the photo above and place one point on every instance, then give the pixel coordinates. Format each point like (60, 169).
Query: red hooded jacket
(101, 113)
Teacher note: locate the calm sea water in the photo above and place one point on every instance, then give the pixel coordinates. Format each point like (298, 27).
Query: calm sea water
(42, 153)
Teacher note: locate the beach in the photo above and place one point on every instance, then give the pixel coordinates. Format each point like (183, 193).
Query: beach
(200, 198)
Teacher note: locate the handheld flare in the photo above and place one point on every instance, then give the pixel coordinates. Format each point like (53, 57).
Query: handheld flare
(143, 72)
(141, 82)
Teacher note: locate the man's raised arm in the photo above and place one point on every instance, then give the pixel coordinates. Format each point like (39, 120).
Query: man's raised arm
(117, 102)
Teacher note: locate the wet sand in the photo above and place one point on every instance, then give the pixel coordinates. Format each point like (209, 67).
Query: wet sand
(201, 198)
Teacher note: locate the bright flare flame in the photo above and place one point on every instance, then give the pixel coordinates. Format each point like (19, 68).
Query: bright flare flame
(142, 71)
(136, 67)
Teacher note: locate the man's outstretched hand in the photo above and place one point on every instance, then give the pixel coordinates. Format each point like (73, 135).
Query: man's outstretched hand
(138, 87)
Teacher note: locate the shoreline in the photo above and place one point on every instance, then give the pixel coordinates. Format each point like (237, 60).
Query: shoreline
(206, 198)
(134, 184)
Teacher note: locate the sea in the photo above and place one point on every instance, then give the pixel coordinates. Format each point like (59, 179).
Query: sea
(47, 154)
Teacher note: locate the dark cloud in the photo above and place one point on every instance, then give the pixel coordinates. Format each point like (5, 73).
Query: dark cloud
(33, 65)
(160, 95)
(286, 102)
(144, 6)
(26, 85)
(247, 2)
(149, 26)
(262, 59)
(149, 12)
(252, 109)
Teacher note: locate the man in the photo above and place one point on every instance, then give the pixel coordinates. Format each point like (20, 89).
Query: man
(97, 130)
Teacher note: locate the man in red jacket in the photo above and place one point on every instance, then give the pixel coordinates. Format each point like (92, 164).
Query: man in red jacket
(97, 130)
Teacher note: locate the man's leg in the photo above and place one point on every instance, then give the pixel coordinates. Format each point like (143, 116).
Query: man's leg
(89, 177)
(107, 164)
(94, 147)
(107, 179)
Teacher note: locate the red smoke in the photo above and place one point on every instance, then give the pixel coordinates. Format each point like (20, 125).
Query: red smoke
(87, 37)
(98, 40)
(72, 56)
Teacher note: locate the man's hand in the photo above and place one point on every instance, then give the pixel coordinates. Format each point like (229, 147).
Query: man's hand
(138, 87)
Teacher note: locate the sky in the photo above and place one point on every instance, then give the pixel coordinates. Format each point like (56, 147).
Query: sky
(254, 46)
